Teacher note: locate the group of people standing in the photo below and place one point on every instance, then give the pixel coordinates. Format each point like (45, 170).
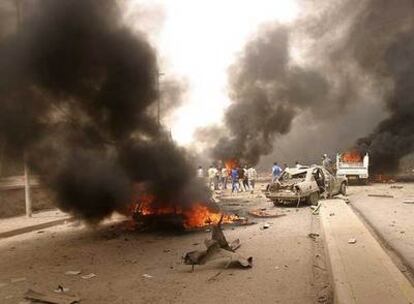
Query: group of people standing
(241, 178)
(244, 178)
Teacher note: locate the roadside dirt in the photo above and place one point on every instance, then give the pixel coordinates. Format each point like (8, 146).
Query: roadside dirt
(134, 267)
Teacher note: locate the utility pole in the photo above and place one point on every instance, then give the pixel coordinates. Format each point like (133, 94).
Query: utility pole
(27, 195)
(18, 4)
(159, 74)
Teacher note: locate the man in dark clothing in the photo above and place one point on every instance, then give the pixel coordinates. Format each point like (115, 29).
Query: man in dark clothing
(241, 179)
(234, 180)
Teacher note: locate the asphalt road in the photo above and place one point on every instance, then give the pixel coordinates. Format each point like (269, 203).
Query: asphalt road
(132, 267)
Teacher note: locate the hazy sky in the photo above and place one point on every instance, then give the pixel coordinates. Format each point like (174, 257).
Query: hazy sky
(198, 40)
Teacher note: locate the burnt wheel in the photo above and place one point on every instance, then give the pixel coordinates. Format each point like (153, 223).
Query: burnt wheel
(313, 199)
(342, 190)
(276, 202)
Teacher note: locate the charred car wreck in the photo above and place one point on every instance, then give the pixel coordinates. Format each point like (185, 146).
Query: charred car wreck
(305, 185)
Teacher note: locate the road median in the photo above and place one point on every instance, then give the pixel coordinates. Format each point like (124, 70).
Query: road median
(362, 272)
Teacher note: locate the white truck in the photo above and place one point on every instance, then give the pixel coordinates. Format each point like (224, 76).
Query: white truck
(353, 166)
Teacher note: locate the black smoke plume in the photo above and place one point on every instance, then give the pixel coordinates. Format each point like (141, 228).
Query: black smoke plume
(393, 50)
(268, 92)
(77, 92)
(355, 51)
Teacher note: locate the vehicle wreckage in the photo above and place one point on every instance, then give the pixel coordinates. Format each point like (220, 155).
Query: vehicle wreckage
(305, 184)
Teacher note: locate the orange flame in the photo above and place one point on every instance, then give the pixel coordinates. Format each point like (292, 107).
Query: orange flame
(382, 178)
(351, 157)
(231, 164)
(197, 215)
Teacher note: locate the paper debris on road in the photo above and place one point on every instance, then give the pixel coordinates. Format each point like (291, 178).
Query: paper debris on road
(88, 276)
(52, 298)
(217, 246)
(17, 280)
(266, 225)
(61, 289)
(352, 241)
(73, 272)
(381, 195)
(315, 209)
(147, 276)
(265, 214)
(313, 235)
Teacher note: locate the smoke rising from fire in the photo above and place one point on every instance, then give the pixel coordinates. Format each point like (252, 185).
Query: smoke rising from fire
(77, 92)
(353, 51)
(269, 92)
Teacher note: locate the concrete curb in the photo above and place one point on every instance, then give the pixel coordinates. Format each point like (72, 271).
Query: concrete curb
(362, 272)
(387, 244)
(35, 227)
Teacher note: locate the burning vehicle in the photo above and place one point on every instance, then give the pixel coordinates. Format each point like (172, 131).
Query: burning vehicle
(305, 185)
(148, 213)
(353, 166)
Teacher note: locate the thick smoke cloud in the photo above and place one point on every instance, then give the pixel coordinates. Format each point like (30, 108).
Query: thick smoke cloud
(393, 138)
(77, 92)
(268, 92)
(353, 51)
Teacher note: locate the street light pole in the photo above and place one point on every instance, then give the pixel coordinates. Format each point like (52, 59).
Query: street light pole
(159, 74)
(27, 194)
(18, 4)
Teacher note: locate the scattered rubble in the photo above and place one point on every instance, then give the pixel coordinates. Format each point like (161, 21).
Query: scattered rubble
(396, 187)
(265, 214)
(73, 272)
(315, 209)
(88, 276)
(61, 289)
(266, 226)
(17, 280)
(313, 235)
(352, 241)
(216, 247)
(381, 195)
(51, 298)
(344, 198)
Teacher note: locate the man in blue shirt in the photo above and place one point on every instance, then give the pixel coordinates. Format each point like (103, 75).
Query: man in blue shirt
(276, 171)
(235, 180)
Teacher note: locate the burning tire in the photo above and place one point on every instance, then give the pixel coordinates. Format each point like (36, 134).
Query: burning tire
(313, 199)
(277, 202)
(342, 190)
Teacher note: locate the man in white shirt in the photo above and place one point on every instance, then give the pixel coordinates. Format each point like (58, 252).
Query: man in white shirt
(200, 172)
(251, 177)
(212, 177)
(224, 177)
